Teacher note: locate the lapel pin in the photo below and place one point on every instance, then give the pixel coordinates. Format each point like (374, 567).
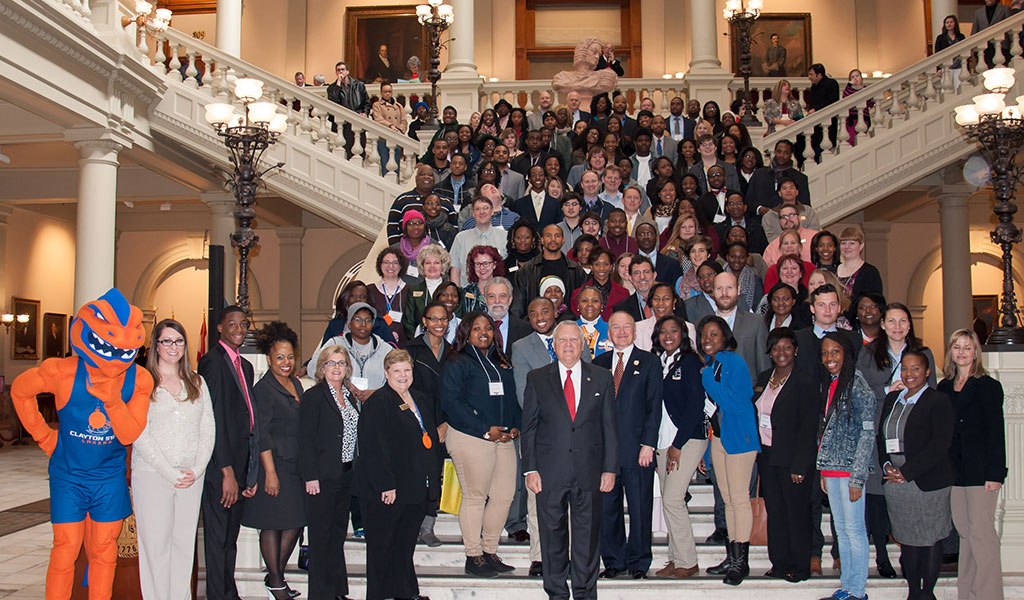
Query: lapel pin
(636, 363)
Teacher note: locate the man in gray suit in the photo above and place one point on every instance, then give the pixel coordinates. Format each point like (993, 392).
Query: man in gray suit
(749, 329)
(986, 16)
(703, 304)
(513, 184)
(570, 456)
(662, 143)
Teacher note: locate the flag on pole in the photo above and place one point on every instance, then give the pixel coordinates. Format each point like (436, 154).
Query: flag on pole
(202, 340)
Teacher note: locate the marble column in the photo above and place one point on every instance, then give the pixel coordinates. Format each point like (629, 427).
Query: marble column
(460, 84)
(97, 202)
(222, 225)
(940, 10)
(956, 260)
(706, 79)
(289, 310)
(5, 213)
(876, 247)
(229, 26)
(704, 36)
(461, 57)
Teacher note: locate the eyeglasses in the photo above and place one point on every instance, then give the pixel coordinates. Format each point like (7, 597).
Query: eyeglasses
(788, 216)
(484, 263)
(436, 319)
(168, 343)
(390, 263)
(361, 320)
(335, 363)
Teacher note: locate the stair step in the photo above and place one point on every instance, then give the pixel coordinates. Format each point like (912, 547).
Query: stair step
(453, 584)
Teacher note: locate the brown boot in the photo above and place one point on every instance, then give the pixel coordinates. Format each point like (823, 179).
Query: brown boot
(667, 570)
(684, 572)
(816, 565)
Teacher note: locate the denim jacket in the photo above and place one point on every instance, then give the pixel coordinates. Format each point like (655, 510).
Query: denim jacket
(848, 436)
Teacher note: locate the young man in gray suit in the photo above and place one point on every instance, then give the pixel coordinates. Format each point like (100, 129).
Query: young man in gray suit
(749, 329)
(570, 456)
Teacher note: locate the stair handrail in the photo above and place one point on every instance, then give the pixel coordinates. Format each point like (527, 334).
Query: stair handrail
(904, 82)
(311, 116)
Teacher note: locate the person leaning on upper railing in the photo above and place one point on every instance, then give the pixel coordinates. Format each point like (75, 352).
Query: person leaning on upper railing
(350, 93)
(389, 113)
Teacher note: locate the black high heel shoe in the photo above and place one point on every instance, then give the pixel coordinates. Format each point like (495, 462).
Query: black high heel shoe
(276, 593)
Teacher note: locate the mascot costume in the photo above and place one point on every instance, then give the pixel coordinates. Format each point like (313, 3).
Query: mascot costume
(102, 398)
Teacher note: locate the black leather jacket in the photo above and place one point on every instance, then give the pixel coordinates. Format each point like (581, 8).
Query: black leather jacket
(352, 95)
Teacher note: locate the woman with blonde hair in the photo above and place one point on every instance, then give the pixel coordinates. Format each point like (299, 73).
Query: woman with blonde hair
(857, 275)
(328, 431)
(979, 454)
(782, 109)
(168, 459)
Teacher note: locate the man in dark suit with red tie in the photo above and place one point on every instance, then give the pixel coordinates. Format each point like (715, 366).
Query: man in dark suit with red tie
(637, 379)
(231, 474)
(570, 455)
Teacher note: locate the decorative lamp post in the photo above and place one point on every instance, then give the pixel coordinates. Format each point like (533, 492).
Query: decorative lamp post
(999, 129)
(436, 18)
(147, 20)
(247, 136)
(742, 14)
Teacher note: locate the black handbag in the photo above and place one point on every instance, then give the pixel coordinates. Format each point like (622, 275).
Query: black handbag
(303, 561)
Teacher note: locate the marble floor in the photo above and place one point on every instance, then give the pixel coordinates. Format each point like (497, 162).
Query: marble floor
(24, 554)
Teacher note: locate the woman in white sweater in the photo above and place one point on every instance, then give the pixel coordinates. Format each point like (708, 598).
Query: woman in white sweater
(168, 462)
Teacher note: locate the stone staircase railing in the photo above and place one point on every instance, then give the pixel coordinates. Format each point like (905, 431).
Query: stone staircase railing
(317, 175)
(910, 131)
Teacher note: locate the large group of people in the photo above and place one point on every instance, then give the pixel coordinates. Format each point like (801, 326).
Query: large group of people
(575, 307)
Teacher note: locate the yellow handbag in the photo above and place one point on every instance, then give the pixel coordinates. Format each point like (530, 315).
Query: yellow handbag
(451, 491)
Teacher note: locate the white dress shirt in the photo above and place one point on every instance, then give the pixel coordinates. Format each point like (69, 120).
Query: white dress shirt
(576, 380)
(729, 318)
(625, 357)
(538, 201)
(668, 430)
(643, 170)
(676, 126)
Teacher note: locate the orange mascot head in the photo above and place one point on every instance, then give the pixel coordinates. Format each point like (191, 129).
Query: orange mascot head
(107, 333)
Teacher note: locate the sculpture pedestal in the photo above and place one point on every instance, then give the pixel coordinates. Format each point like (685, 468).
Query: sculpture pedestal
(461, 90)
(710, 85)
(1006, 364)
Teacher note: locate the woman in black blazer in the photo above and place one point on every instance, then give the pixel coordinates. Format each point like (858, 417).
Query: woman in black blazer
(328, 429)
(277, 508)
(681, 439)
(913, 440)
(979, 455)
(429, 354)
(787, 419)
(397, 475)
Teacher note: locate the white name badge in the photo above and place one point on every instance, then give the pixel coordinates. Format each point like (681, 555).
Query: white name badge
(396, 316)
(361, 383)
(496, 388)
(766, 421)
(709, 407)
(892, 445)
(412, 271)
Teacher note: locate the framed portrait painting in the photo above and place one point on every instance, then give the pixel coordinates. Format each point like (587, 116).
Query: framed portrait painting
(380, 40)
(55, 334)
(780, 45)
(25, 336)
(986, 314)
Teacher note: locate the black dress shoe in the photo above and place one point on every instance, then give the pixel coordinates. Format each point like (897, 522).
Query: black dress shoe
(495, 563)
(519, 537)
(886, 570)
(638, 574)
(773, 574)
(611, 573)
(797, 577)
(718, 537)
(536, 569)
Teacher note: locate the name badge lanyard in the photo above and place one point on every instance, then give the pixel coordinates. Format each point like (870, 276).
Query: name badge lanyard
(495, 388)
(427, 443)
(892, 442)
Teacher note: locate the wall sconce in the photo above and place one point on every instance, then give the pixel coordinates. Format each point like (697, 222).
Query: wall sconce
(147, 19)
(8, 319)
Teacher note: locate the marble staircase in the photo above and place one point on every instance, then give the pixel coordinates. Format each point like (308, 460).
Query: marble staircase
(442, 577)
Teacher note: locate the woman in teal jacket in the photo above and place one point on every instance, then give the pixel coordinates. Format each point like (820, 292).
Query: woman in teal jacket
(734, 438)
